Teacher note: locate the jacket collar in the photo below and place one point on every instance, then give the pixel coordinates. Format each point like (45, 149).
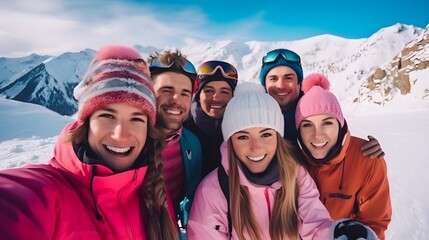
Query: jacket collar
(66, 160)
(243, 180)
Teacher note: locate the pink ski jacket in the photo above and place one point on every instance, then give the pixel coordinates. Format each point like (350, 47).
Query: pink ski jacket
(208, 218)
(67, 199)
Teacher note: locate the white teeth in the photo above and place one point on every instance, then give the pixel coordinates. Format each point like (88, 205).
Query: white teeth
(319, 144)
(282, 94)
(175, 112)
(256, 158)
(216, 106)
(118, 150)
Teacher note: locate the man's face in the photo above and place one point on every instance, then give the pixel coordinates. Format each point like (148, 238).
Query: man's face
(214, 97)
(173, 100)
(282, 84)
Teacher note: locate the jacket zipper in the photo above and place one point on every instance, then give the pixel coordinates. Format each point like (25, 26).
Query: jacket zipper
(121, 206)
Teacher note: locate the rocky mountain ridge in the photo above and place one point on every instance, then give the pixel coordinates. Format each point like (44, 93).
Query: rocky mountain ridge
(398, 75)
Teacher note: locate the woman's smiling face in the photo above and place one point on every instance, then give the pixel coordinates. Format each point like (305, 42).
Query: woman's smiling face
(255, 147)
(319, 133)
(117, 134)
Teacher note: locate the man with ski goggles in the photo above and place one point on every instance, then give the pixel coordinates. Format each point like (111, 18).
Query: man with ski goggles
(218, 80)
(281, 74)
(173, 78)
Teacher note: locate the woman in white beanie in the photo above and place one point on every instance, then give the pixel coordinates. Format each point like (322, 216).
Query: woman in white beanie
(260, 191)
(350, 185)
(104, 180)
(271, 196)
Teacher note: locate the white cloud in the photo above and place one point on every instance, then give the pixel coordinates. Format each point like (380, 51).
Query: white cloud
(55, 26)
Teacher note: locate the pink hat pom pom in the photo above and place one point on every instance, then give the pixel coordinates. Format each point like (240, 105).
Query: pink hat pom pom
(117, 52)
(315, 79)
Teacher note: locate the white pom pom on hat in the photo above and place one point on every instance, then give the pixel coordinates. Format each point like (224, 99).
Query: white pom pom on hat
(317, 100)
(251, 107)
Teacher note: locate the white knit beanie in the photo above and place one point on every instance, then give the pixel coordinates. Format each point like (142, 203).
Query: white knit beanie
(251, 107)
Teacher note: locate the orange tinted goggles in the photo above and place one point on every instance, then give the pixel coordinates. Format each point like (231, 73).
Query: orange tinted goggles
(210, 67)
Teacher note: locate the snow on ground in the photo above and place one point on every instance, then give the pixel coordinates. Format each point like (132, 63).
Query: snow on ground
(28, 133)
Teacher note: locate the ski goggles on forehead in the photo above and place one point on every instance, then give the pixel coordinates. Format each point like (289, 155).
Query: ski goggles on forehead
(288, 55)
(209, 68)
(187, 67)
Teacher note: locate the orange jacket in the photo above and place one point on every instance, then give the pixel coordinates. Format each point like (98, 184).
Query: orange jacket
(354, 186)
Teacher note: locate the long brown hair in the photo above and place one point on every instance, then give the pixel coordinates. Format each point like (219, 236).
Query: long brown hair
(284, 219)
(159, 223)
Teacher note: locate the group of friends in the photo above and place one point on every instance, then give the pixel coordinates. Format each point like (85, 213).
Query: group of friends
(162, 150)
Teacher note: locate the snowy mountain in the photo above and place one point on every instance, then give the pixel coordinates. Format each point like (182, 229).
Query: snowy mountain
(49, 83)
(382, 82)
(349, 64)
(14, 68)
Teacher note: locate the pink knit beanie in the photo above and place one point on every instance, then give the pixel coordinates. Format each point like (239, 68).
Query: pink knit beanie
(317, 99)
(117, 74)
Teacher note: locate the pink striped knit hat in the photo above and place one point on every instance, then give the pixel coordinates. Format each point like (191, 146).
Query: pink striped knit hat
(317, 100)
(117, 74)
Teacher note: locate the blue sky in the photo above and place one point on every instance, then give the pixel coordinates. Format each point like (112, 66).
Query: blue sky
(290, 20)
(55, 26)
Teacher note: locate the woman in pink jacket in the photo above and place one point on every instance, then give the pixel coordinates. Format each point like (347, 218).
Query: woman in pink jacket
(104, 180)
(271, 196)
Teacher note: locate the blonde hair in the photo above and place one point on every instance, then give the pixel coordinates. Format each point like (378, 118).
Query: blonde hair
(159, 223)
(284, 219)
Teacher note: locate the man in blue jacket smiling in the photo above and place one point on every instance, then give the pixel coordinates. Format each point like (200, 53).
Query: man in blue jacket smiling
(173, 78)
